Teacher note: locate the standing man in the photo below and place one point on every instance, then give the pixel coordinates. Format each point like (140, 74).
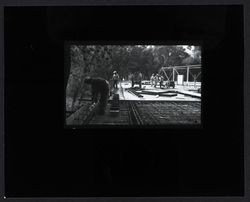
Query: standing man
(152, 78)
(115, 79)
(156, 79)
(161, 80)
(100, 92)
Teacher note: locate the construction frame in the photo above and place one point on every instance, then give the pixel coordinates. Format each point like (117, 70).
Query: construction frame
(191, 73)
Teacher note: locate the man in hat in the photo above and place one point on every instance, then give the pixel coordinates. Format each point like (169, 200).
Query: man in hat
(156, 80)
(100, 88)
(115, 79)
(161, 79)
(152, 79)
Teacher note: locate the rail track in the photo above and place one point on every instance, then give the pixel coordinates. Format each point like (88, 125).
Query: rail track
(151, 113)
(128, 112)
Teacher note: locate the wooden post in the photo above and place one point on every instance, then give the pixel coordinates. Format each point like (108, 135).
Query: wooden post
(195, 81)
(188, 76)
(173, 73)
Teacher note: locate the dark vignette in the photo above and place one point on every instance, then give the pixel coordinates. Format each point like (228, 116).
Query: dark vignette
(51, 146)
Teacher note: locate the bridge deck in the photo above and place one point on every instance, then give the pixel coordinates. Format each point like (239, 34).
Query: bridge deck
(152, 113)
(146, 106)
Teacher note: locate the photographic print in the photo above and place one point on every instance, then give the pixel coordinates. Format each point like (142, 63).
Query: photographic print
(143, 101)
(133, 85)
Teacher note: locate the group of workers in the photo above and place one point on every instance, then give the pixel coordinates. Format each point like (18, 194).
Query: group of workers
(101, 88)
(155, 79)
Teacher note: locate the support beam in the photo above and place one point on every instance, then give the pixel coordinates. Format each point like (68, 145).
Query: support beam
(176, 71)
(165, 74)
(198, 75)
(187, 76)
(192, 75)
(183, 67)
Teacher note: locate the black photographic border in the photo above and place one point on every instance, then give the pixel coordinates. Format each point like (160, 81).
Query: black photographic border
(246, 5)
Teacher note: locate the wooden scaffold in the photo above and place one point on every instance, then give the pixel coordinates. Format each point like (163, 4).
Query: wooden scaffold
(169, 73)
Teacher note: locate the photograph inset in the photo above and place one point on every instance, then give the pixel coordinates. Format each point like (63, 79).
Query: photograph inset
(133, 85)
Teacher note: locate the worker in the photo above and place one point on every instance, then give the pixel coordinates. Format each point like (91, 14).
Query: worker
(152, 78)
(156, 79)
(115, 79)
(161, 80)
(100, 89)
